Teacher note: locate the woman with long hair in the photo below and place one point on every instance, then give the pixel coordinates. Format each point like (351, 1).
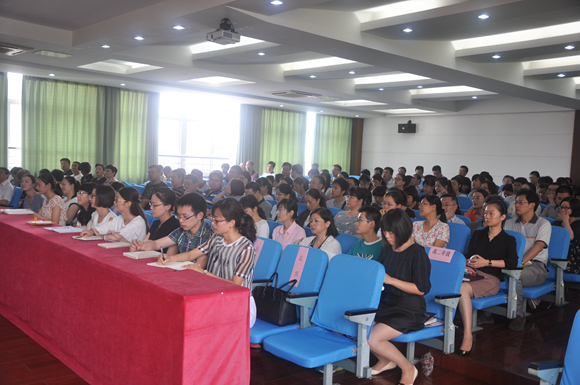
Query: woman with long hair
(284, 191)
(568, 219)
(358, 197)
(132, 223)
(434, 230)
(314, 200)
(323, 233)
(53, 208)
(229, 254)
(162, 207)
(457, 185)
(402, 308)
(429, 185)
(86, 210)
(70, 188)
(252, 208)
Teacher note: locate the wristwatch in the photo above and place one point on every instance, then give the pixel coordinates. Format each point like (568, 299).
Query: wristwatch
(490, 263)
(205, 271)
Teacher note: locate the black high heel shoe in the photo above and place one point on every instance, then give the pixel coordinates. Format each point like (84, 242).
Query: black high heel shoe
(466, 353)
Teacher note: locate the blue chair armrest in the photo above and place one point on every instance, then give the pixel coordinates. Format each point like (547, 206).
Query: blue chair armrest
(548, 371)
(359, 312)
(514, 273)
(361, 316)
(451, 300)
(301, 295)
(541, 365)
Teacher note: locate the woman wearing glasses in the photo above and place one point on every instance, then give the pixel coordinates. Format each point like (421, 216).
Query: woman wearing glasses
(86, 210)
(432, 231)
(192, 231)
(345, 220)
(229, 254)
(323, 233)
(477, 199)
(101, 198)
(162, 207)
(568, 219)
(132, 223)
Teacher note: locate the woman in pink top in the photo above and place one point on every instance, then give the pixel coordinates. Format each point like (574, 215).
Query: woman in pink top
(290, 232)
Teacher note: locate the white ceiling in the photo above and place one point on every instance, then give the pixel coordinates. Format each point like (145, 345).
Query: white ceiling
(438, 50)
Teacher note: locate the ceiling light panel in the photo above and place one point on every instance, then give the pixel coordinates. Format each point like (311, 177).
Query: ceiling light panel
(119, 67)
(402, 8)
(216, 81)
(355, 103)
(552, 63)
(316, 63)
(406, 111)
(392, 78)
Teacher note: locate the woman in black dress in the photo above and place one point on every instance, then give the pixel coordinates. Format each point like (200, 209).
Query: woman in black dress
(162, 208)
(402, 308)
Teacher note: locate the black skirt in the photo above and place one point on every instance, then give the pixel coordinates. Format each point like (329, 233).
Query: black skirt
(404, 314)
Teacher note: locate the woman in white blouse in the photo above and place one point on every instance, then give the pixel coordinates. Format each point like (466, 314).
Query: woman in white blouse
(250, 205)
(70, 188)
(102, 198)
(132, 223)
(323, 233)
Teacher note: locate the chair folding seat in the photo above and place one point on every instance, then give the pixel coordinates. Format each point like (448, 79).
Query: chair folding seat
(310, 282)
(465, 203)
(268, 258)
(342, 320)
(446, 279)
(272, 225)
(507, 289)
(548, 371)
(16, 197)
(346, 241)
(459, 236)
(557, 261)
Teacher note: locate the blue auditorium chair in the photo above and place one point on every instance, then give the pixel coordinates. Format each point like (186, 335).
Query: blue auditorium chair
(16, 197)
(459, 236)
(267, 260)
(272, 226)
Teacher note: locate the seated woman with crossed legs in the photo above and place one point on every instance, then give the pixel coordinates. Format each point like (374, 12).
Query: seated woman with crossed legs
(402, 308)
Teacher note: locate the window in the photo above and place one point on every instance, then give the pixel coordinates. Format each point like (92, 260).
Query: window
(198, 130)
(14, 120)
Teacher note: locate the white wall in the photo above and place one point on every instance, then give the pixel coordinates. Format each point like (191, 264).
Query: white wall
(515, 143)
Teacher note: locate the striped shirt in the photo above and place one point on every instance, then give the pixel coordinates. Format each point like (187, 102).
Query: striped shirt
(225, 261)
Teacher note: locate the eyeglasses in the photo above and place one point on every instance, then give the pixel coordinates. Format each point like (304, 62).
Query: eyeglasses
(160, 204)
(424, 203)
(399, 179)
(448, 205)
(565, 208)
(182, 218)
(83, 192)
(359, 219)
(213, 219)
(521, 202)
(118, 201)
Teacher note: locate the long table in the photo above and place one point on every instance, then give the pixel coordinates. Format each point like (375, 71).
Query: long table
(115, 320)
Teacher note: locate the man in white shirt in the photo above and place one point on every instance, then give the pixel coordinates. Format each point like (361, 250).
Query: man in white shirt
(76, 172)
(388, 177)
(6, 188)
(270, 169)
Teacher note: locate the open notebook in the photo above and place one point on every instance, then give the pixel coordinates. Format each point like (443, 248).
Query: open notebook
(142, 254)
(172, 265)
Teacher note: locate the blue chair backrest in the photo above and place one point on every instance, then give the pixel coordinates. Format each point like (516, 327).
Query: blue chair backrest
(140, 188)
(268, 259)
(558, 247)
(571, 372)
(312, 274)
(464, 219)
(551, 220)
(150, 217)
(301, 207)
(459, 236)
(346, 241)
(354, 176)
(520, 244)
(334, 210)
(464, 202)
(273, 202)
(169, 184)
(351, 283)
(543, 206)
(446, 278)
(272, 225)
(308, 231)
(16, 198)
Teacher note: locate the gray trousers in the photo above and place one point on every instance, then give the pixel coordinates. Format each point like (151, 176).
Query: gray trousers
(533, 275)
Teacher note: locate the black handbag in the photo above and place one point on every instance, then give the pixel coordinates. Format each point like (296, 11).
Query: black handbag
(271, 304)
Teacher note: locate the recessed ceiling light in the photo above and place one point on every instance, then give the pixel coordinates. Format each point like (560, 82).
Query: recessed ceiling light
(261, 53)
(281, 105)
(474, 97)
(356, 116)
(569, 47)
(51, 74)
(381, 89)
(312, 76)
(352, 72)
(276, 2)
(178, 27)
(483, 16)
(321, 111)
(407, 30)
(496, 56)
(122, 84)
(561, 75)
(138, 37)
(419, 86)
(105, 46)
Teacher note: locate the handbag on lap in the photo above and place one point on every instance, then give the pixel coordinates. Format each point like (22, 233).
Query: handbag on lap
(271, 304)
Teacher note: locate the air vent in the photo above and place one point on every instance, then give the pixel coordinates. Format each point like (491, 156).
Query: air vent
(13, 50)
(295, 94)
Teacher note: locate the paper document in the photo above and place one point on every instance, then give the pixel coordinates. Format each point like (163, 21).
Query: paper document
(18, 211)
(142, 254)
(64, 229)
(172, 265)
(91, 238)
(113, 245)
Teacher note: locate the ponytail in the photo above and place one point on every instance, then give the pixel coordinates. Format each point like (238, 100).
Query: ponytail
(434, 200)
(232, 210)
(131, 194)
(247, 227)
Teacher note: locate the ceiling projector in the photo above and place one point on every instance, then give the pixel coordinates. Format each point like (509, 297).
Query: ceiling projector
(225, 34)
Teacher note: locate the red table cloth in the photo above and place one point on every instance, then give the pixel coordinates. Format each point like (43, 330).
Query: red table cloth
(115, 320)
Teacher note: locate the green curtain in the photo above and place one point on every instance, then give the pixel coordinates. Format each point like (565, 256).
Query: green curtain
(283, 137)
(250, 134)
(3, 119)
(332, 143)
(59, 120)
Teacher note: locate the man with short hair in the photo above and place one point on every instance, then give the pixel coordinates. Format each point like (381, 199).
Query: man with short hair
(253, 173)
(316, 183)
(286, 167)
(155, 183)
(476, 182)
(225, 169)
(194, 231)
(450, 204)
(339, 188)
(65, 166)
(6, 188)
(202, 186)
(437, 171)
(402, 170)
(367, 225)
(420, 170)
(315, 166)
(296, 171)
(463, 170)
(336, 169)
(517, 185)
(552, 210)
(535, 178)
(552, 192)
(388, 177)
(75, 171)
(252, 188)
(270, 169)
(537, 232)
(378, 171)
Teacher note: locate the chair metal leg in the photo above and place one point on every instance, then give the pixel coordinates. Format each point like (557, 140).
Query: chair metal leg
(474, 327)
(327, 380)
